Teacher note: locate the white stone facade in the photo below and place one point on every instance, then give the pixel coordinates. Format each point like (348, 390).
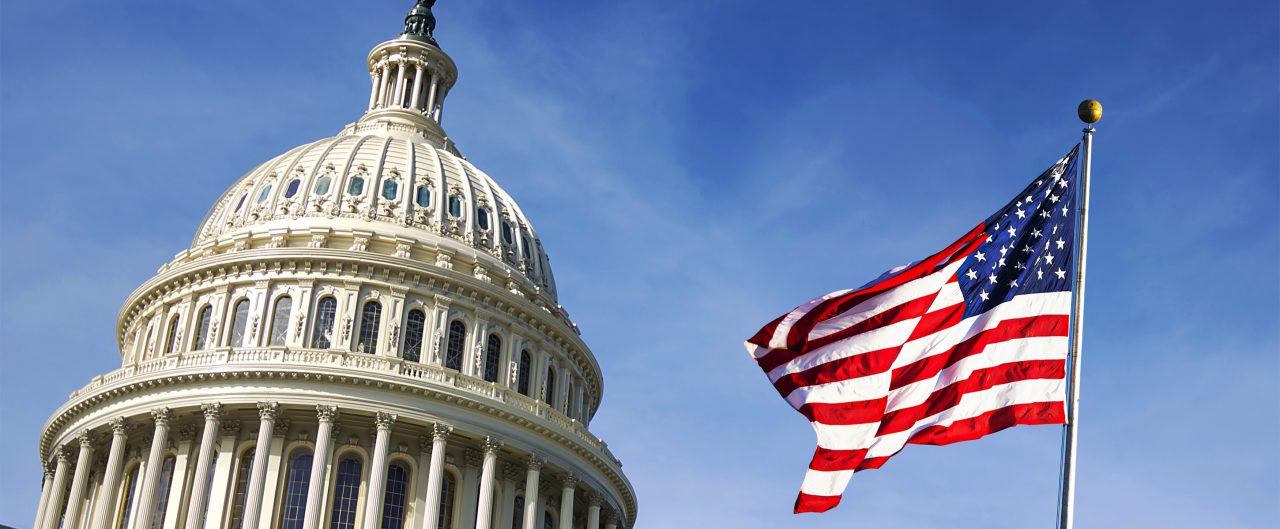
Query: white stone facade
(364, 335)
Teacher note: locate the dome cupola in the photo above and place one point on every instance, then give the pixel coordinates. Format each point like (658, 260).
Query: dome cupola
(410, 76)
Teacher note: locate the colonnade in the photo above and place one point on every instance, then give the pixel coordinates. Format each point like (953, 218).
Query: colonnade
(93, 492)
(391, 78)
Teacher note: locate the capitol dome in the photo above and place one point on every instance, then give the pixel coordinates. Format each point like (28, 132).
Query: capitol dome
(363, 334)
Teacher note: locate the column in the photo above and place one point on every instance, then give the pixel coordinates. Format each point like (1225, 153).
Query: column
(46, 486)
(531, 493)
(382, 83)
(435, 477)
(611, 520)
(416, 101)
(593, 510)
(83, 464)
(111, 477)
(378, 472)
(175, 509)
(431, 95)
(319, 461)
(221, 483)
(145, 506)
(566, 501)
(275, 460)
(375, 80)
(53, 507)
(199, 484)
(399, 91)
(484, 513)
(267, 413)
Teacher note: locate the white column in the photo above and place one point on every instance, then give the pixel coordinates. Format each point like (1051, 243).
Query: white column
(174, 506)
(566, 501)
(221, 483)
(484, 512)
(104, 508)
(145, 504)
(53, 507)
(45, 487)
(378, 472)
(83, 464)
(431, 95)
(382, 84)
(593, 510)
(531, 493)
(319, 461)
(375, 78)
(399, 91)
(267, 412)
(416, 101)
(204, 462)
(435, 476)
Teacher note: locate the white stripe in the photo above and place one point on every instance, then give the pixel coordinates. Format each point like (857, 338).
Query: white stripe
(779, 339)
(1022, 306)
(950, 294)
(846, 436)
(874, 340)
(914, 289)
(1017, 350)
(972, 405)
(823, 483)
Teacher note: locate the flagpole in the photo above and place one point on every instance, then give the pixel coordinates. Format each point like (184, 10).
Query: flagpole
(1090, 111)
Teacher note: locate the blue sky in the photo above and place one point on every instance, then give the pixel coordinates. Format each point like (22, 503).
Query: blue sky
(695, 169)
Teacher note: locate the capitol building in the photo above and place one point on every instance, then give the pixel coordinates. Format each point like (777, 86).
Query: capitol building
(363, 334)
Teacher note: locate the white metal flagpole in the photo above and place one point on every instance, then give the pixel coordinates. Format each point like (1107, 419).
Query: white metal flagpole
(1090, 111)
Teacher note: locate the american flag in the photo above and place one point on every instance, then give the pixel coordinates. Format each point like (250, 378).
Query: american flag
(967, 342)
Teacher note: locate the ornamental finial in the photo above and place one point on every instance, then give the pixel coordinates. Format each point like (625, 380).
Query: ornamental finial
(420, 23)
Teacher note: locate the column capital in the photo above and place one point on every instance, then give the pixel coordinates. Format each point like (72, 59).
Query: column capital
(383, 421)
(161, 416)
(491, 445)
(119, 426)
(570, 480)
(535, 462)
(268, 411)
(212, 411)
(326, 412)
(86, 438)
(49, 470)
(62, 453)
(594, 498)
(440, 431)
(610, 517)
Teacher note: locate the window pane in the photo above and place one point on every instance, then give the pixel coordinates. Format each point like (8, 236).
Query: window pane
(550, 397)
(517, 515)
(492, 352)
(394, 500)
(482, 219)
(202, 327)
(162, 492)
(296, 483)
(280, 320)
(322, 185)
(126, 497)
(413, 329)
(322, 336)
(423, 198)
(522, 385)
(369, 318)
(292, 188)
(455, 206)
(239, 322)
(453, 356)
(346, 493)
(390, 189)
(240, 203)
(356, 188)
(242, 487)
(447, 490)
(266, 192)
(170, 343)
(506, 233)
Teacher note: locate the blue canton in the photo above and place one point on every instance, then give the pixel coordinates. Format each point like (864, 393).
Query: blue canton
(1029, 246)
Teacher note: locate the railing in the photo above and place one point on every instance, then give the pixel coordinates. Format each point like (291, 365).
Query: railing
(477, 388)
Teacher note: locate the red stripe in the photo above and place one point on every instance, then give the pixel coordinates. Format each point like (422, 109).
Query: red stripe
(859, 412)
(948, 397)
(766, 333)
(828, 460)
(938, 320)
(1011, 329)
(849, 367)
(839, 304)
(812, 503)
(991, 422)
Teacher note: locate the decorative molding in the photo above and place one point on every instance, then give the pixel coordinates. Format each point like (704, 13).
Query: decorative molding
(212, 411)
(383, 421)
(268, 411)
(161, 416)
(326, 413)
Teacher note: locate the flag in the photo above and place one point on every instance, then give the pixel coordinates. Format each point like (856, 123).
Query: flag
(966, 342)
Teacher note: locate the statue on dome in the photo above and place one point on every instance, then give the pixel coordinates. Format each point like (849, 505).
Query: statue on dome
(420, 23)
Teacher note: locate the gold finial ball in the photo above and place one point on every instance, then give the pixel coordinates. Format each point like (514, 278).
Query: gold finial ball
(1090, 111)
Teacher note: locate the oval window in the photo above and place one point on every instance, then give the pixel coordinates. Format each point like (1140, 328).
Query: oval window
(389, 189)
(506, 233)
(424, 196)
(240, 204)
(266, 192)
(525, 248)
(357, 186)
(482, 218)
(455, 206)
(292, 189)
(322, 185)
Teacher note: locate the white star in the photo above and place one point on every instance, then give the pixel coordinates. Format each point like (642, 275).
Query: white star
(1060, 242)
(980, 256)
(984, 296)
(1036, 233)
(992, 278)
(1029, 199)
(1003, 250)
(1053, 198)
(1026, 249)
(1064, 210)
(971, 275)
(1061, 274)
(1048, 258)
(1039, 274)
(1021, 214)
(1044, 214)
(1020, 266)
(989, 239)
(1000, 263)
(1013, 284)
(1055, 229)
(1012, 232)
(1063, 182)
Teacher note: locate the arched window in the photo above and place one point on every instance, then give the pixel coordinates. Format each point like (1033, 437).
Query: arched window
(517, 515)
(394, 500)
(455, 206)
(492, 351)
(550, 396)
(292, 188)
(369, 318)
(548, 522)
(266, 192)
(453, 355)
(239, 320)
(447, 490)
(423, 197)
(170, 339)
(322, 185)
(390, 188)
(202, 328)
(356, 187)
(413, 328)
(346, 494)
(322, 334)
(296, 481)
(280, 320)
(570, 404)
(162, 492)
(522, 376)
(242, 487)
(126, 497)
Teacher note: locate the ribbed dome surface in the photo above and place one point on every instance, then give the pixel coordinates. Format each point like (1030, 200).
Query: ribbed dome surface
(390, 184)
